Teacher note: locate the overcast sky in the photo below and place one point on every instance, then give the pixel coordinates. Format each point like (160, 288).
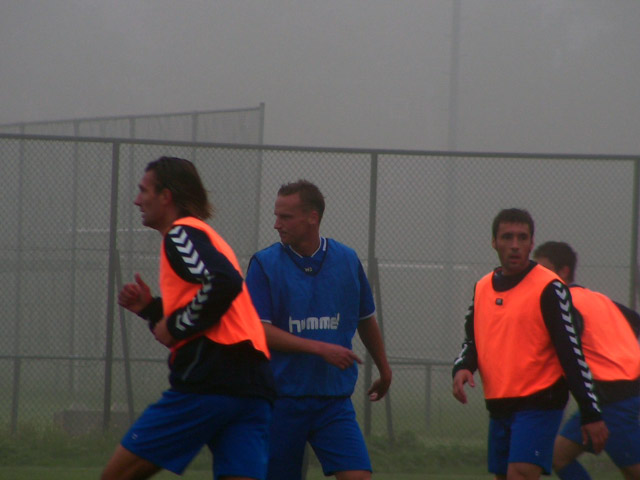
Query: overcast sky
(531, 76)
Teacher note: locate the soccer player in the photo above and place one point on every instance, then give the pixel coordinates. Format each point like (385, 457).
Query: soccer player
(610, 345)
(222, 387)
(520, 335)
(312, 295)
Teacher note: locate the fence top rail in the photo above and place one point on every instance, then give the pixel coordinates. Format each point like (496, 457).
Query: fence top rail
(428, 362)
(294, 148)
(129, 117)
(83, 358)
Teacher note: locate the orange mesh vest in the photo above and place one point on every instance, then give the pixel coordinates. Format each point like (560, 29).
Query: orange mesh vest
(609, 344)
(515, 355)
(238, 324)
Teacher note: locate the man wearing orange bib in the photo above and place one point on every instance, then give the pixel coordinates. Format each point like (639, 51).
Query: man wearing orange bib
(610, 344)
(222, 387)
(521, 337)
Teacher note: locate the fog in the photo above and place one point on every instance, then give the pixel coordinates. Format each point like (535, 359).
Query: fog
(475, 75)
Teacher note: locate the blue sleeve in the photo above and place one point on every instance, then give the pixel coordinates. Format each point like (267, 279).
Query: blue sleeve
(259, 289)
(367, 305)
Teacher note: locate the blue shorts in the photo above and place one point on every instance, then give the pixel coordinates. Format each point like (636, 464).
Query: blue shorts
(523, 437)
(623, 421)
(171, 432)
(328, 424)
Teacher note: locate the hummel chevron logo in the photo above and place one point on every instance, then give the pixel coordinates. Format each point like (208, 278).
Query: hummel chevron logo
(184, 320)
(189, 254)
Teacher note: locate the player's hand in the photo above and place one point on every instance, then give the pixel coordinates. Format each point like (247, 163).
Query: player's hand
(161, 332)
(135, 296)
(379, 388)
(598, 433)
(461, 377)
(339, 356)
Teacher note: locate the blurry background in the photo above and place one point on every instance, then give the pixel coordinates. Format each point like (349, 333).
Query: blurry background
(554, 76)
(419, 120)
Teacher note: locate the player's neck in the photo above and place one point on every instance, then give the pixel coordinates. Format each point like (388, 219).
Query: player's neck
(307, 248)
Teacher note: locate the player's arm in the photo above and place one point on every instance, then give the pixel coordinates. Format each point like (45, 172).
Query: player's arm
(558, 313)
(281, 340)
(467, 361)
(136, 297)
(369, 332)
(196, 260)
(371, 337)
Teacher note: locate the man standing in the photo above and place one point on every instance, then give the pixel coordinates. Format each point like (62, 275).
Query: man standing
(311, 294)
(221, 383)
(521, 337)
(610, 345)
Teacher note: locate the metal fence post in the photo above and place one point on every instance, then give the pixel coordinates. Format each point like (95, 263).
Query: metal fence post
(15, 395)
(113, 230)
(633, 281)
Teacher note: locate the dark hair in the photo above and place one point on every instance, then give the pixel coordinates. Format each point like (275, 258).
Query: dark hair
(560, 254)
(181, 178)
(310, 195)
(512, 215)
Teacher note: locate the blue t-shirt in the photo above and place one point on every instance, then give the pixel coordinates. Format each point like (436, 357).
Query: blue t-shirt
(322, 297)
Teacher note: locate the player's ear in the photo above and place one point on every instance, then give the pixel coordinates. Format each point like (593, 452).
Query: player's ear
(314, 217)
(166, 195)
(563, 273)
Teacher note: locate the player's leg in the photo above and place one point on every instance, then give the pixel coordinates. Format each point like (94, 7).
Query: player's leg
(531, 445)
(523, 471)
(631, 472)
(353, 475)
(623, 446)
(498, 446)
(125, 465)
(171, 432)
(565, 453)
(288, 438)
(567, 448)
(241, 448)
(337, 440)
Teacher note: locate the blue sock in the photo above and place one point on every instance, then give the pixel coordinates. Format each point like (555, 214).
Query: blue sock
(573, 471)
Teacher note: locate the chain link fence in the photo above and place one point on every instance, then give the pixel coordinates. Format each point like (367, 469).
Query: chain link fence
(420, 222)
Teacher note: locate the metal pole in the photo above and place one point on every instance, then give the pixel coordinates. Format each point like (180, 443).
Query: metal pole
(633, 270)
(258, 187)
(194, 134)
(454, 66)
(18, 287)
(74, 255)
(125, 346)
(113, 225)
(372, 267)
(427, 381)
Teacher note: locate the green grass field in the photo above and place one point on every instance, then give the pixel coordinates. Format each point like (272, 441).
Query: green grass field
(48, 473)
(50, 454)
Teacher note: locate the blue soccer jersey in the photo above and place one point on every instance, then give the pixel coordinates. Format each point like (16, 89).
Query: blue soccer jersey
(323, 298)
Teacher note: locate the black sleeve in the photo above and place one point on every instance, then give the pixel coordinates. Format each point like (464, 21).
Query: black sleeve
(468, 357)
(196, 260)
(558, 313)
(632, 317)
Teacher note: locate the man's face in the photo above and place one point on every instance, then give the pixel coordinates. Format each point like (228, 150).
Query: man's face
(152, 204)
(514, 243)
(293, 223)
